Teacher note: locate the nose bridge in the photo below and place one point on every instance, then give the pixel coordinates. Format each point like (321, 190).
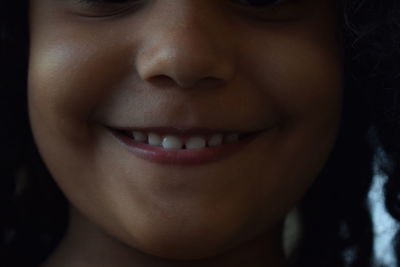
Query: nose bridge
(187, 45)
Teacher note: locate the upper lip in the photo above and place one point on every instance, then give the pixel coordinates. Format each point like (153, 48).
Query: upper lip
(179, 131)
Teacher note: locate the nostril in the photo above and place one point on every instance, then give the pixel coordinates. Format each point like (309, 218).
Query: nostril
(166, 68)
(162, 81)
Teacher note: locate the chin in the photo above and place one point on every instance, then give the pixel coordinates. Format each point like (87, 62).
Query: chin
(185, 245)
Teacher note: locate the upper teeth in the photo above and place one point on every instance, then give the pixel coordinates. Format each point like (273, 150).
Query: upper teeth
(195, 142)
(175, 142)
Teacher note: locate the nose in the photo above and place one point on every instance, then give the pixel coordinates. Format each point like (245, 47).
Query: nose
(189, 48)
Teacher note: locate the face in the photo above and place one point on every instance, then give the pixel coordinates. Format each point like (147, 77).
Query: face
(180, 69)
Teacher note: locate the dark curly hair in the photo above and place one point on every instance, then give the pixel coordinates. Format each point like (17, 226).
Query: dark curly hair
(336, 222)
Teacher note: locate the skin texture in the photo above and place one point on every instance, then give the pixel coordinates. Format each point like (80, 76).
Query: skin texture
(184, 64)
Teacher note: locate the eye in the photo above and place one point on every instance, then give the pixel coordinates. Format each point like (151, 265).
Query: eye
(104, 1)
(106, 8)
(259, 3)
(271, 10)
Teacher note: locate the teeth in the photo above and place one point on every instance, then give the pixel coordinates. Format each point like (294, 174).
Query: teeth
(195, 142)
(232, 138)
(139, 136)
(172, 142)
(154, 139)
(216, 140)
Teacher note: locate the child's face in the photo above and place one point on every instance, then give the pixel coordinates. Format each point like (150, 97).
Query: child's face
(184, 64)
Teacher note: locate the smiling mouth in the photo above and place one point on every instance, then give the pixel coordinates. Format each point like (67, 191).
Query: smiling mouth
(172, 146)
(184, 141)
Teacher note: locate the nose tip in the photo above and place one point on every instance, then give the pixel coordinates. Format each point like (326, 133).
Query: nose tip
(187, 54)
(183, 68)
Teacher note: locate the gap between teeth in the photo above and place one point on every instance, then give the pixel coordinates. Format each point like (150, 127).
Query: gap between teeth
(174, 142)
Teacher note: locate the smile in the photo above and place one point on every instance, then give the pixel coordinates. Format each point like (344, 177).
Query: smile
(170, 146)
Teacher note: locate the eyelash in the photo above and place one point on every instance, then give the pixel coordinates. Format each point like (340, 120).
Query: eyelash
(268, 10)
(257, 4)
(104, 2)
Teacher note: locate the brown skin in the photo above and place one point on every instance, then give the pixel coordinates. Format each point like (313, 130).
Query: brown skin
(182, 63)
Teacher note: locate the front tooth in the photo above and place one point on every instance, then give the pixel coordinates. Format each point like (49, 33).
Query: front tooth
(195, 142)
(172, 142)
(154, 139)
(215, 140)
(139, 136)
(232, 138)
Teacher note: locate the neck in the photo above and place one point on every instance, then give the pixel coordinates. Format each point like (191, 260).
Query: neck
(85, 245)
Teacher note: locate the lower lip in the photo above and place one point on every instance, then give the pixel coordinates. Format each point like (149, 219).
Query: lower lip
(183, 157)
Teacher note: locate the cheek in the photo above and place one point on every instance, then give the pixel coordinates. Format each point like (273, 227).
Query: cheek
(310, 81)
(68, 79)
(300, 76)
